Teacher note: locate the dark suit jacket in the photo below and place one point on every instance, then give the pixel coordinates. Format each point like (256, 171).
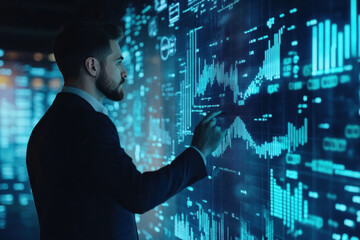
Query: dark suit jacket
(84, 185)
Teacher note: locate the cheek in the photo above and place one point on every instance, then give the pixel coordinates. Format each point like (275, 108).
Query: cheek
(115, 72)
(111, 70)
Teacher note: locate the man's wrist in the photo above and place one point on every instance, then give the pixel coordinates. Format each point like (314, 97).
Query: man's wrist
(201, 153)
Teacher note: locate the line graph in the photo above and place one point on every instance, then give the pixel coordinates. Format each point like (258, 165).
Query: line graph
(199, 76)
(294, 138)
(215, 73)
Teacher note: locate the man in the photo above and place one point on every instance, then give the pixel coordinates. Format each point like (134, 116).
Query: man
(84, 185)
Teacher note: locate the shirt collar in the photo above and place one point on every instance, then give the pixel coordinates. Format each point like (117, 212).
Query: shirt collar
(98, 106)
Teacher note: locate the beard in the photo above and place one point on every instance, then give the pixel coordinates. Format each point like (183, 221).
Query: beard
(108, 87)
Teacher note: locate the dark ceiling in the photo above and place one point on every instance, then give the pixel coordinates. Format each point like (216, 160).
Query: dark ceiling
(31, 25)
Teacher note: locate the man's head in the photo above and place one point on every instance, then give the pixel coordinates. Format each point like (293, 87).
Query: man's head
(89, 52)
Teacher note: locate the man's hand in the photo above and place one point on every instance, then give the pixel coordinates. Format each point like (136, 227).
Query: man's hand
(207, 135)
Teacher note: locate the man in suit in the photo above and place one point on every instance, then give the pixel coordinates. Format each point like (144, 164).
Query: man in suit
(84, 184)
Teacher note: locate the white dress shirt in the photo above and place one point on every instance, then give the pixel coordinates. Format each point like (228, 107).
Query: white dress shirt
(98, 106)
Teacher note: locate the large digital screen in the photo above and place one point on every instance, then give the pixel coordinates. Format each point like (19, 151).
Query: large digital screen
(286, 76)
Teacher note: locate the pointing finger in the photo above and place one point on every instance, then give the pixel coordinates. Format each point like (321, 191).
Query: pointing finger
(212, 122)
(210, 116)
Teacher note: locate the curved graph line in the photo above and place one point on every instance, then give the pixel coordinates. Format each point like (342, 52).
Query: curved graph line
(289, 142)
(269, 70)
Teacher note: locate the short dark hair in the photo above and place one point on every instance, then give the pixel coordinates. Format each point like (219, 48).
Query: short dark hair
(79, 40)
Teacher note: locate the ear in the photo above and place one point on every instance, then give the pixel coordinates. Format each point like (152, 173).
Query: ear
(92, 66)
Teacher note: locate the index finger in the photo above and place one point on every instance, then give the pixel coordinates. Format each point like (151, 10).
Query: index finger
(210, 116)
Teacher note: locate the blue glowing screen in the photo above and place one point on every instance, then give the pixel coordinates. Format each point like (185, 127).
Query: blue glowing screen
(286, 75)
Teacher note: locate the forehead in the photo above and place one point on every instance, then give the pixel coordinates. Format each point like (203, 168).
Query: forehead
(115, 48)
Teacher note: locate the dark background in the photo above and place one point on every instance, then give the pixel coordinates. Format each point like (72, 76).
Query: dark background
(31, 25)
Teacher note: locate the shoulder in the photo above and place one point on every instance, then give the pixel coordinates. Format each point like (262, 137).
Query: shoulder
(99, 126)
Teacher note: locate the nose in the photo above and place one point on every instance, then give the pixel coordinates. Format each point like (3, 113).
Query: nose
(123, 72)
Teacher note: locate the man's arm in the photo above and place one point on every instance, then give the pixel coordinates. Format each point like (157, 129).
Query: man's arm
(135, 191)
(140, 192)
